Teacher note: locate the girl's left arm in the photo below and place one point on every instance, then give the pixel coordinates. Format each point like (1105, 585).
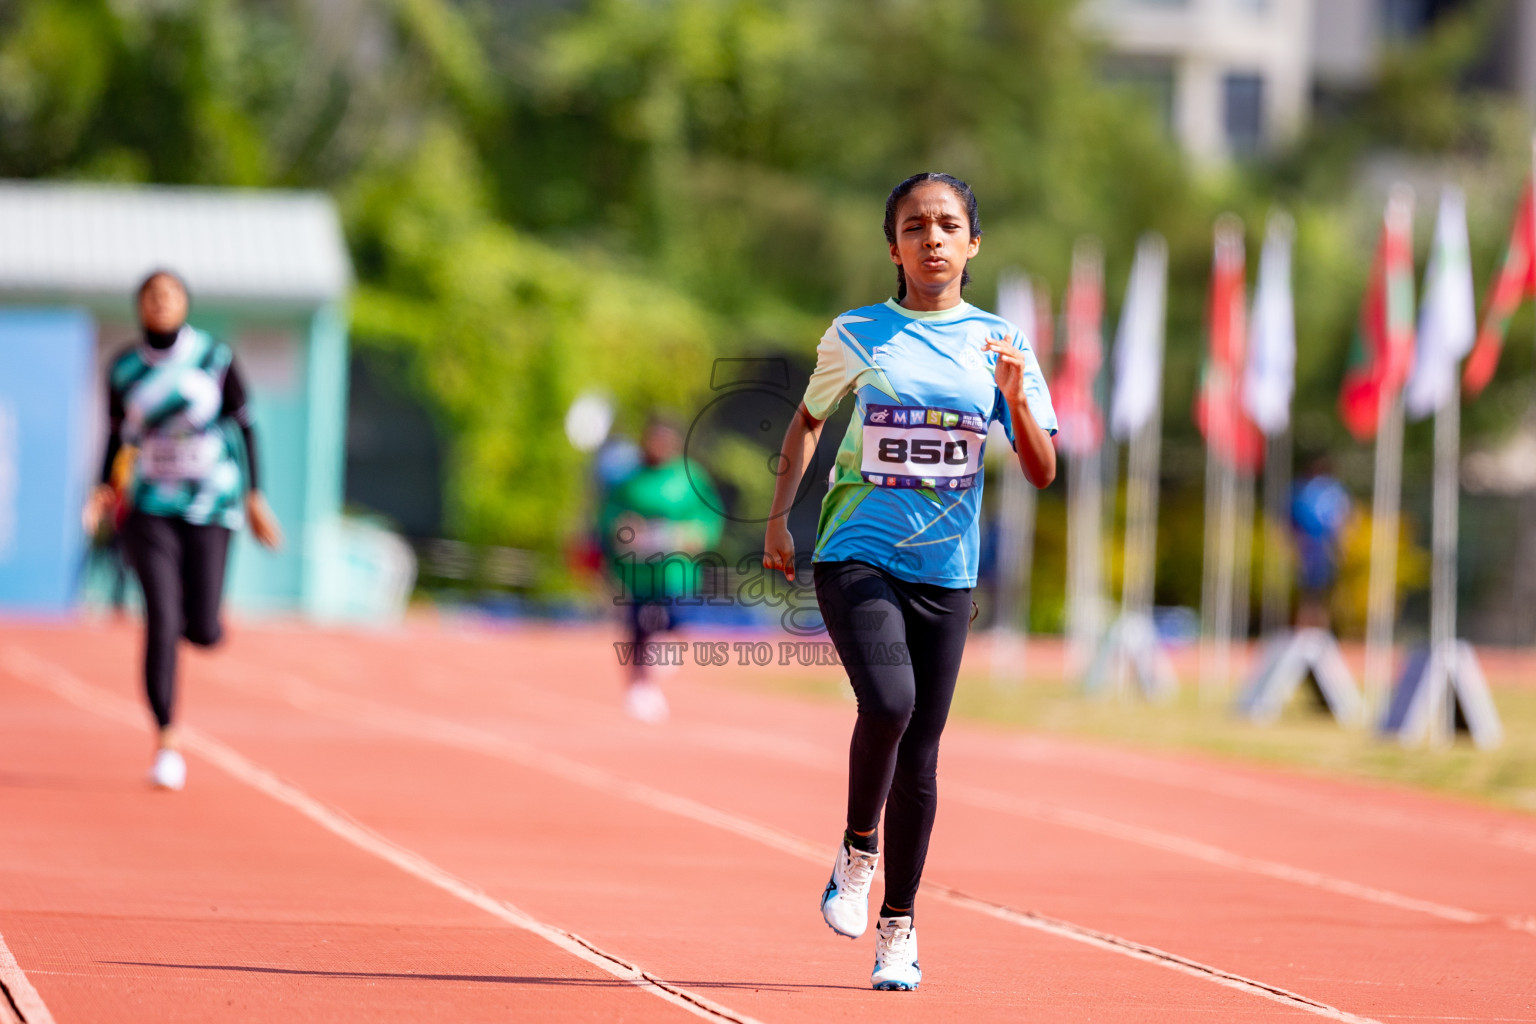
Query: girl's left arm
(1037, 455)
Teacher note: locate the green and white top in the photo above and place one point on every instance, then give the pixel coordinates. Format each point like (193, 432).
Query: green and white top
(184, 407)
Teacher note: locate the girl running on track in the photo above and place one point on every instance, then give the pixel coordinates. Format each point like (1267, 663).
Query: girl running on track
(896, 547)
(177, 404)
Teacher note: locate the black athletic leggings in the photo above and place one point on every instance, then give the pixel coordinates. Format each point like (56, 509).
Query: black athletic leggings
(901, 644)
(181, 569)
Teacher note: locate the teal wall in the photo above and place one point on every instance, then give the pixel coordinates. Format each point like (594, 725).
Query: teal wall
(325, 466)
(298, 385)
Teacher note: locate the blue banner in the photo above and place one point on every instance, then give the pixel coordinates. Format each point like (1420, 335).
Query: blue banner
(45, 385)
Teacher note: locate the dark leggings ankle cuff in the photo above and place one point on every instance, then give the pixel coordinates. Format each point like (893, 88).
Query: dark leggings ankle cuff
(869, 843)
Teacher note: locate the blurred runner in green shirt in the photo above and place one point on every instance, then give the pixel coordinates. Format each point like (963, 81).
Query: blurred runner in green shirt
(658, 525)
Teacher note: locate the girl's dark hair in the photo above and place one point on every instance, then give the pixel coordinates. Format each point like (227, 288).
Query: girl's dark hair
(158, 272)
(900, 192)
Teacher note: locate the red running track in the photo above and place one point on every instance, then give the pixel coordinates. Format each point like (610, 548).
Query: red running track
(442, 824)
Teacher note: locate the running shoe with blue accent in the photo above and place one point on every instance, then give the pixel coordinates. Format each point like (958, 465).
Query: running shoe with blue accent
(896, 967)
(845, 901)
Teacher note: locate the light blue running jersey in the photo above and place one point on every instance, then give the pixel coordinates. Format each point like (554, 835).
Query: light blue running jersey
(905, 493)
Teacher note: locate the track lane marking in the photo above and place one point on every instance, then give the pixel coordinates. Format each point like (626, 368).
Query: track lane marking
(18, 999)
(1198, 850)
(1138, 767)
(738, 740)
(1210, 777)
(64, 684)
(307, 696)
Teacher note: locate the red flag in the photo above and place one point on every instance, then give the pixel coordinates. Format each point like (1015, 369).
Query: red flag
(1081, 427)
(1516, 283)
(1045, 328)
(1219, 411)
(1382, 353)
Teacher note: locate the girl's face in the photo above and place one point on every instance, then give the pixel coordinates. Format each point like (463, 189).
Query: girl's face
(163, 304)
(933, 238)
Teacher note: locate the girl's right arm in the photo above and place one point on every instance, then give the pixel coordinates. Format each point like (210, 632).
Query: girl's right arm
(794, 455)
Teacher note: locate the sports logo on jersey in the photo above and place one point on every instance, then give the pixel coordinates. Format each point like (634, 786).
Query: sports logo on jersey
(899, 417)
(934, 415)
(949, 419)
(879, 415)
(973, 422)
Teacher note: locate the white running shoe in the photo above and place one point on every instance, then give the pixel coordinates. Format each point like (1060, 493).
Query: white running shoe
(845, 901)
(896, 955)
(645, 701)
(170, 771)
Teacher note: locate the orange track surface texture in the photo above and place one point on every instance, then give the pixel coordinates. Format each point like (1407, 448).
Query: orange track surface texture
(461, 825)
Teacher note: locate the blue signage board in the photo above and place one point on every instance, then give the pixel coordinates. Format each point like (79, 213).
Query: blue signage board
(45, 384)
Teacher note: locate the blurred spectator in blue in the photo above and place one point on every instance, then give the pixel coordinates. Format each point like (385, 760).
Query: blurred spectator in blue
(1320, 511)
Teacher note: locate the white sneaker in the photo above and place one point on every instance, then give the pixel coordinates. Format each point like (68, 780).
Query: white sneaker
(170, 771)
(896, 955)
(645, 701)
(845, 901)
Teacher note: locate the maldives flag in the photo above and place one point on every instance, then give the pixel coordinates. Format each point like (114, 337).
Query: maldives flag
(1219, 411)
(1081, 426)
(1382, 353)
(1516, 283)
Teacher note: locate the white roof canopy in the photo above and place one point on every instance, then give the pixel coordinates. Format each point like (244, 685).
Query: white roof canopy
(98, 241)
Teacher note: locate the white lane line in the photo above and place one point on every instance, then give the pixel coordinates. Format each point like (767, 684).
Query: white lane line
(304, 695)
(64, 684)
(742, 741)
(18, 999)
(1150, 954)
(1140, 768)
(1197, 850)
(1210, 778)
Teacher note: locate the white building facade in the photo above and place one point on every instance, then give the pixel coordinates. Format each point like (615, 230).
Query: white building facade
(1235, 78)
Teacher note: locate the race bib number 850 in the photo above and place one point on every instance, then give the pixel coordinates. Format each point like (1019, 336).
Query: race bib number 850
(918, 446)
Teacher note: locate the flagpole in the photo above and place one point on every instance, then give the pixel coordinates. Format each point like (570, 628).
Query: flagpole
(1145, 462)
(1275, 614)
(1226, 541)
(1016, 508)
(1129, 647)
(1141, 543)
(1209, 573)
(1442, 625)
(1225, 424)
(1242, 555)
(1084, 489)
(1085, 498)
(1268, 387)
(1015, 548)
(1381, 601)
(1386, 497)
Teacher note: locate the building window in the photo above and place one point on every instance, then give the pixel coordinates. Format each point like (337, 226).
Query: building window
(1243, 112)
